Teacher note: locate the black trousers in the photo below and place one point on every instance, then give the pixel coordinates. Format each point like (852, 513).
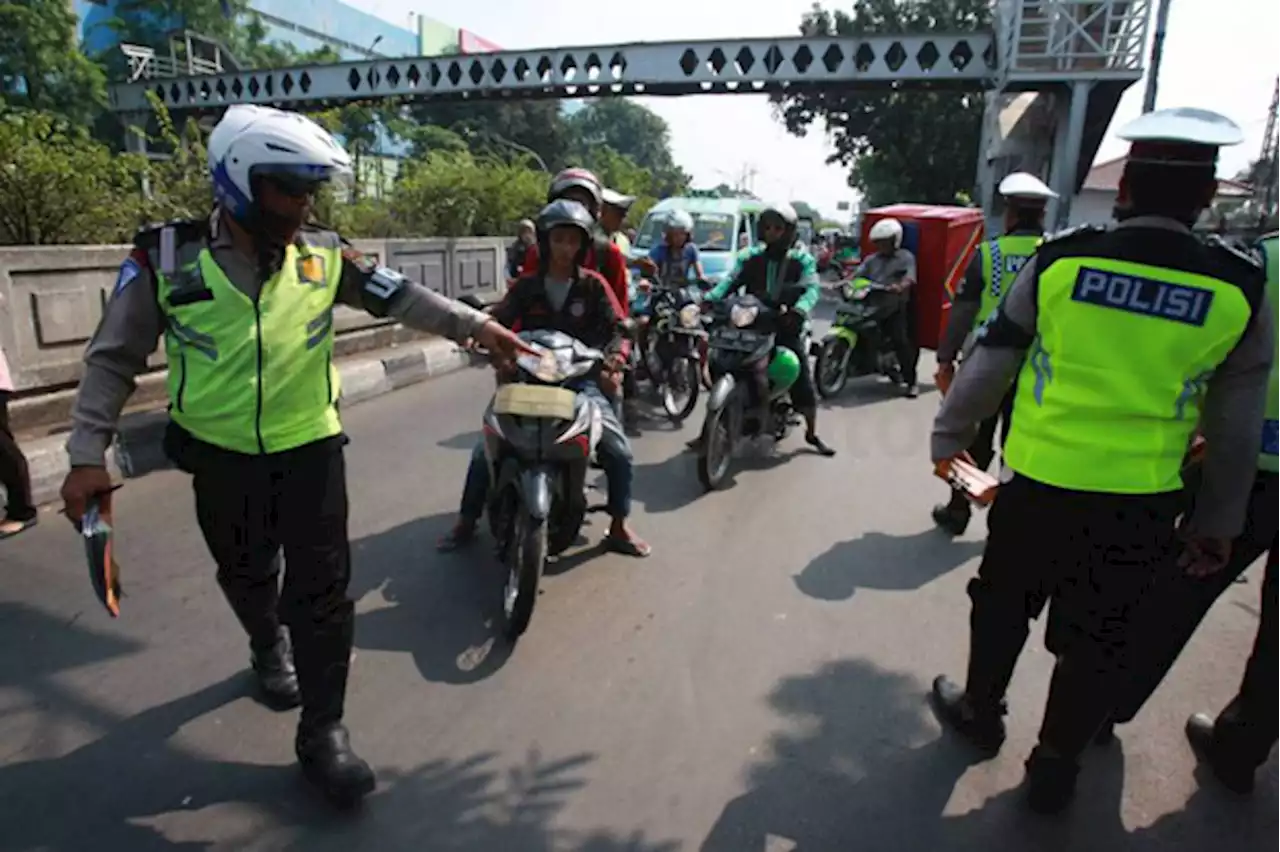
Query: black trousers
(1169, 616)
(252, 507)
(901, 328)
(1089, 558)
(14, 475)
(803, 395)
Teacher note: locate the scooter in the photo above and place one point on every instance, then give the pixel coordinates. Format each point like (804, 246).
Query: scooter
(856, 344)
(751, 376)
(539, 435)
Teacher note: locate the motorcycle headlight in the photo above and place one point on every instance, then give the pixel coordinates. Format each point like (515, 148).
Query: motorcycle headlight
(741, 316)
(689, 316)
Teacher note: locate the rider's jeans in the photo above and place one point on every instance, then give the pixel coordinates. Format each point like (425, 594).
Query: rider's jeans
(613, 451)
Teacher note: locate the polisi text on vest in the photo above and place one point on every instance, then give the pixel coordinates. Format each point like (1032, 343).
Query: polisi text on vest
(1161, 299)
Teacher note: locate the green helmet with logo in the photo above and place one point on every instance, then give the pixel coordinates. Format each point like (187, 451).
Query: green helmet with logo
(783, 369)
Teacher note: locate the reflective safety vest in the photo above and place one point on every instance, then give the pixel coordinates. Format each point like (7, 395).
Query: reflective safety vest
(1005, 255)
(254, 377)
(1110, 391)
(1267, 458)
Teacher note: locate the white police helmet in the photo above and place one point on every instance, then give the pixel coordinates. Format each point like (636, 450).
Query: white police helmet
(887, 229)
(1024, 186)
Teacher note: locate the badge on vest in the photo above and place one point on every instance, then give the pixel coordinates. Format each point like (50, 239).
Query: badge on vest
(577, 309)
(1160, 299)
(311, 270)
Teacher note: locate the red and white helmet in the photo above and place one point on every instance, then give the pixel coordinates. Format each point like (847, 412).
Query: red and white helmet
(580, 179)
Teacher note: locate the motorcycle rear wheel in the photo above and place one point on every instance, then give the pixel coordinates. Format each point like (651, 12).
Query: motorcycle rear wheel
(526, 559)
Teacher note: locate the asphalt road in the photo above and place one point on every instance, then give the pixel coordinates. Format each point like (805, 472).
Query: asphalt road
(757, 685)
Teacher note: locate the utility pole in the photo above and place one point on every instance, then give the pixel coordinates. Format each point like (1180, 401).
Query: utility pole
(1265, 189)
(1157, 53)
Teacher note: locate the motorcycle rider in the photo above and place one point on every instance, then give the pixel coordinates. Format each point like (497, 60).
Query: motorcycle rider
(613, 216)
(764, 271)
(603, 255)
(261, 437)
(672, 259)
(564, 295)
(988, 276)
(894, 268)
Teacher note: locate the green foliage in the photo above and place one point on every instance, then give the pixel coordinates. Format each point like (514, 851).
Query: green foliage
(40, 65)
(913, 146)
(58, 185)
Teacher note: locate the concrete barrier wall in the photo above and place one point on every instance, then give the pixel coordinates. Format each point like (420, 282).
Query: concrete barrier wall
(51, 297)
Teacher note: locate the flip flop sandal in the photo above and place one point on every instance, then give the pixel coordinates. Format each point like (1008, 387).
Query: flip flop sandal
(24, 526)
(627, 546)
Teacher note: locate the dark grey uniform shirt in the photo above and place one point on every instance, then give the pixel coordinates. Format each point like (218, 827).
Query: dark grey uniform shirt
(133, 321)
(1230, 419)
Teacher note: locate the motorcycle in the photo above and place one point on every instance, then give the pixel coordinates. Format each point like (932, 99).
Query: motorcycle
(669, 350)
(750, 376)
(856, 344)
(539, 437)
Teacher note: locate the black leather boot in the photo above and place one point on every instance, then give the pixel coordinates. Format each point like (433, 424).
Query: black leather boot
(1206, 739)
(277, 678)
(329, 763)
(953, 517)
(323, 746)
(1051, 781)
(983, 726)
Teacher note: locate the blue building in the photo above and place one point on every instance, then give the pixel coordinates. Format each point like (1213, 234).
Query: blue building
(306, 24)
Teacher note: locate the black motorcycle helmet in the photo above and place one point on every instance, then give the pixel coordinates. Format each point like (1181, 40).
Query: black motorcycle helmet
(563, 213)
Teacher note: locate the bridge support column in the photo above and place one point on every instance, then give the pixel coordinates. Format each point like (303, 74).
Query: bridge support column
(1067, 141)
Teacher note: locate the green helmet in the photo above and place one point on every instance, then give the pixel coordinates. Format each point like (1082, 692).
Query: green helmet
(783, 369)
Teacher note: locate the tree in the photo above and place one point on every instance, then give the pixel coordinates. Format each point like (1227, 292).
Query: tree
(633, 131)
(41, 66)
(902, 146)
(504, 130)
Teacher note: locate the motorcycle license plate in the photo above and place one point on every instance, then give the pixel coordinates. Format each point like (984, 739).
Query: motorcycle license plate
(737, 339)
(535, 401)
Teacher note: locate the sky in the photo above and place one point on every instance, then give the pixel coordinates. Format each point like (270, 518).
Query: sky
(1219, 54)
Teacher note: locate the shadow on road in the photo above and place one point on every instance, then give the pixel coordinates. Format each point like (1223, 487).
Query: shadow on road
(442, 608)
(865, 770)
(885, 562)
(135, 789)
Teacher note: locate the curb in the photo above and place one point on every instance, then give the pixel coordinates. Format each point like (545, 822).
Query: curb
(137, 449)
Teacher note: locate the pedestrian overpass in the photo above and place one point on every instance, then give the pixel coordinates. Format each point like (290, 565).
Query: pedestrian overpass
(1052, 72)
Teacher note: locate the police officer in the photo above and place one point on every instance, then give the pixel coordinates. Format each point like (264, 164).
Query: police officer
(1246, 730)
(1120, 340)
(986, 280)
(245, 302)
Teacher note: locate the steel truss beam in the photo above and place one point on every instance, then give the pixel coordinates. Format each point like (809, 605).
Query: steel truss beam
(746, 66)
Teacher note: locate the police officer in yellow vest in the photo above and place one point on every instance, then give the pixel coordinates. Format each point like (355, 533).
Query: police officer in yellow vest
(1241, 738)
(991, 272)
(1121, 340)
(245, 302)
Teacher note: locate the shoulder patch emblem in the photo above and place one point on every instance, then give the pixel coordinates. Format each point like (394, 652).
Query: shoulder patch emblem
(129, 270)
(311, 270)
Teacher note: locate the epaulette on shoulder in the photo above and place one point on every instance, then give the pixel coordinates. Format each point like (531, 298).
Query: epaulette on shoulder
(185, 230)
(1235, 252)
(1074, 233)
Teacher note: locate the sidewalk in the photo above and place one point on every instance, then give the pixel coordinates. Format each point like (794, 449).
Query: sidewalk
(136, 450)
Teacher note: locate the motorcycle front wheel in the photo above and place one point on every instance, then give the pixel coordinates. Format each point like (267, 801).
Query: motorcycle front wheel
(832, 367)
(526, 558)
(716, 450)
(680, 390)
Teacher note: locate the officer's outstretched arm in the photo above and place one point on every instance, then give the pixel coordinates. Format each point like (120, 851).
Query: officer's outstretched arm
(117, 354)
(988, 372)
(383, 292)
(1231, 422)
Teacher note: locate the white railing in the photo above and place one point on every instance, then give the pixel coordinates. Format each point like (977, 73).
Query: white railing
(1073, 38)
